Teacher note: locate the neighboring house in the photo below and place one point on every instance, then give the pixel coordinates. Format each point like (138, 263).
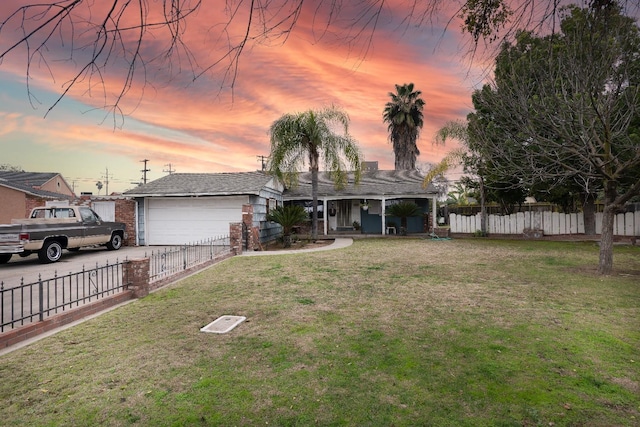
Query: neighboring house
(22, 191)
(366, 202)
(190, 207)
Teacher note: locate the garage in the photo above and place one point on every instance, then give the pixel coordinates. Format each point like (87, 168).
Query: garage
(190, 207)
(179, 220)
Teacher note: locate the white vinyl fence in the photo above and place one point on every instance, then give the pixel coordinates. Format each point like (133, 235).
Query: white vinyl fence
(551, 223)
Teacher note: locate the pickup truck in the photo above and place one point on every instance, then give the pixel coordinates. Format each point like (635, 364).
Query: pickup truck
(49, 230)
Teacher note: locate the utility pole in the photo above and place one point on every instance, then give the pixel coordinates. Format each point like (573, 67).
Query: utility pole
(263, 160)
(106, 181)
(170, 171)
(144, 171)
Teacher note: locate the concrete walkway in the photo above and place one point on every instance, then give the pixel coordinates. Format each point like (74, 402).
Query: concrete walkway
(338, 243)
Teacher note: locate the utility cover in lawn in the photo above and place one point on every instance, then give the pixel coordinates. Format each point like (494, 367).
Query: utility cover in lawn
(223, 324)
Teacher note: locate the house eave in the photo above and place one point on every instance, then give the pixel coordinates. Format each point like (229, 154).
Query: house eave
(362, 196)
(188, 194)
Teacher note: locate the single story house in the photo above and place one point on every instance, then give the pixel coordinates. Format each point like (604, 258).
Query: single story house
(364, 205)
(189, 207)
(22, 191)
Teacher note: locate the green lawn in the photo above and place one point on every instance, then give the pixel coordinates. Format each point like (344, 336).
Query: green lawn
(388, 332)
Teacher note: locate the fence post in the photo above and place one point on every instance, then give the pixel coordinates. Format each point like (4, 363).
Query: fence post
(136, 271)
(41, 297)
(184, 257)
(235, 237)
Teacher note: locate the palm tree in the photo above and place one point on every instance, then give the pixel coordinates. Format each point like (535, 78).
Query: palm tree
(404, 116)
(460, 195)
(288, 217)
(457, 130)
(311, 137)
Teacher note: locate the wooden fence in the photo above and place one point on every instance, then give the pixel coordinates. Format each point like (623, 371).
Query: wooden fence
(551, 223)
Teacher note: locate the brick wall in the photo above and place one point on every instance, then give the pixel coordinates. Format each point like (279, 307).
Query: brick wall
(32, 202)
(126, 212)
(7, 339)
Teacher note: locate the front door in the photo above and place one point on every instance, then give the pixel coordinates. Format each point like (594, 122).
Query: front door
(344, 214)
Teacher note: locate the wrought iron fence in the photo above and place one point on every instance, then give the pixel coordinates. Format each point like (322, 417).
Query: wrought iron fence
(29, 302)
(36, 301)
(173, 260)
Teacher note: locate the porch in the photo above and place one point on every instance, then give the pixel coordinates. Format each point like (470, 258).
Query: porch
(361, 208)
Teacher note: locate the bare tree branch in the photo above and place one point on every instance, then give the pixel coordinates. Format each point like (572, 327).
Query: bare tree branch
(122, 39)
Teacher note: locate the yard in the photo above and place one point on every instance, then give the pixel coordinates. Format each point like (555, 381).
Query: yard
(400, 332)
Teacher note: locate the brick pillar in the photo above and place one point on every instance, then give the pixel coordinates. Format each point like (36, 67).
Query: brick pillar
(247, 220)
(235, 237)
(136, 273)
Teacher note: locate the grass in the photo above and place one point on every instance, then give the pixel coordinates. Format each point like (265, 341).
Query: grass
(383, 333)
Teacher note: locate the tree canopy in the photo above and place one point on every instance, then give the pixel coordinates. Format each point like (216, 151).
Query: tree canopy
(563, 109)
(404, 117)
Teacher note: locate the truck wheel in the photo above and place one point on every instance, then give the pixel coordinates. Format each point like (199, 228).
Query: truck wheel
(4, 258)
(50, 252)
(115, 243)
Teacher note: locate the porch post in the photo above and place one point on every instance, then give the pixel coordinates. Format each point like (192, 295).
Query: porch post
(384, 216)
(325, 215)
(434, 211)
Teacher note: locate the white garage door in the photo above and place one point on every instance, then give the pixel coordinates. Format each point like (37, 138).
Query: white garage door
(175, 221)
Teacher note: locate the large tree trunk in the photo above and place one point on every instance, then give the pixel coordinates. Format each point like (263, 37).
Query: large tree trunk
(405, 152)
(605, 262)
(589, 212)
(483, 209)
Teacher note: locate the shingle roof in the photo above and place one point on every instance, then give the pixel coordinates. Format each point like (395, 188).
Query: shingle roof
(374, 183)
(31, 179)
(203, 184)
(27, 181)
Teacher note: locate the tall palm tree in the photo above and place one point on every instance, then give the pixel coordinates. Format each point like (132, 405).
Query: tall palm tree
(311, 137)
(404, 116)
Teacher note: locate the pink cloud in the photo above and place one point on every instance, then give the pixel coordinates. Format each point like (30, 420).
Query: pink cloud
(195, 126)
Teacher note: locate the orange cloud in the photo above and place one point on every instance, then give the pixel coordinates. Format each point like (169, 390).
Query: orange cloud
(203, 125)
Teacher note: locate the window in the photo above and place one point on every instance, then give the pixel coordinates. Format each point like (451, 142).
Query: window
(271, 204)
(88, 215)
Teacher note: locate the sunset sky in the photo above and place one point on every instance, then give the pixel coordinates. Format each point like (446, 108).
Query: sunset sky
(203, 126)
